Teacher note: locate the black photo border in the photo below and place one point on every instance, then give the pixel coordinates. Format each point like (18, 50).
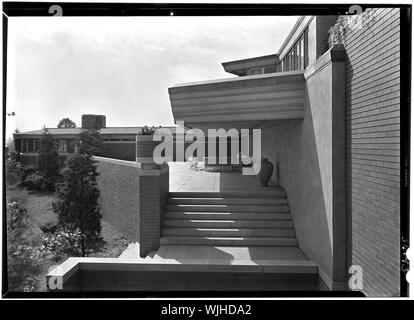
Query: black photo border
(37, 9)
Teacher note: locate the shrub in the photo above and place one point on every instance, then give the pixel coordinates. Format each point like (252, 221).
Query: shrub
(35, 181)
(22, 257)
(62, 242)
(29, 169)
(148, 131)
(14, 171)
(23, 266)
(16, 220)
(195, 164)
(49, 227)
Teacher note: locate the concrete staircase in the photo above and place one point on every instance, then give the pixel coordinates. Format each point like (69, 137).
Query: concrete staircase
(237, 241)
(229, 219)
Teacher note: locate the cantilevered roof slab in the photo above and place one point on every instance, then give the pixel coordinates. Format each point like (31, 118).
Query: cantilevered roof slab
(239, 101)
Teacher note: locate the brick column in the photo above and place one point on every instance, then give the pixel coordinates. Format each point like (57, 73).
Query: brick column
(153, 196)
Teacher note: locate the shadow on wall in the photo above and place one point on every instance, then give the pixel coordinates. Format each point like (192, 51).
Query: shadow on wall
(291, 146)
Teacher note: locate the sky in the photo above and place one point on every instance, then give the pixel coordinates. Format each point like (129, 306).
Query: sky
(122, 67)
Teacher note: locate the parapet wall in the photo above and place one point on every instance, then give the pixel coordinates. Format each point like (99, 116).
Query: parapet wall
(118, 183)
(133, 200)
(309, 160)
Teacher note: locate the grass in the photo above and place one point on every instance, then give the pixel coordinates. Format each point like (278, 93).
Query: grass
(40, 213)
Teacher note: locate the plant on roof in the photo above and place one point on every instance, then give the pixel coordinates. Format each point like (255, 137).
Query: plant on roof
(337, 34)
(148, 131)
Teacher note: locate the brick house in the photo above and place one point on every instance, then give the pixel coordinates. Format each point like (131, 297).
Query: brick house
(330, 121)
(119, 142)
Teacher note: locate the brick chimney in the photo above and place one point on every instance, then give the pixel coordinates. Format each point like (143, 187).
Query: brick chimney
(93, 121)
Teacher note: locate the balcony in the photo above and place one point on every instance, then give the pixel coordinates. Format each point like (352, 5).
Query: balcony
(242, 102)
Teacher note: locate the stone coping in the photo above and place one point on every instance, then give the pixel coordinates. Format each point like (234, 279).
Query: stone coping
(73, 265)
(133, 164)
(334, 54)
(280, 74)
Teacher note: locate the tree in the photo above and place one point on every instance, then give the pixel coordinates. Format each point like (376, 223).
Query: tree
(91, 143)
(10, 145)
(78, 199)
(66, 123)
(48, 159)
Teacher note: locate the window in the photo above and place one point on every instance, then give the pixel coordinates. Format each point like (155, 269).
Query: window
(36, 145)
(297, 57)
(71, 145)
(22, 145)
(253, 71)
(270, 69)
(305, 47)
(301, 54)
(31, 145)
(63, 146)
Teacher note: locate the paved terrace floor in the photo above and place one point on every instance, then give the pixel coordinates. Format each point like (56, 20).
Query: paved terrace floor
(264, 258)
(185, 179)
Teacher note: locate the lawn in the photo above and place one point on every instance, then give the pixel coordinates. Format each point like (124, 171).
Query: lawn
(40, 213)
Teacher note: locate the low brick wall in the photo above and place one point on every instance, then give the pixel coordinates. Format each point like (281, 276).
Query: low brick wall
(121, 150)
(118, 183)
(154, 195)
(133, 200)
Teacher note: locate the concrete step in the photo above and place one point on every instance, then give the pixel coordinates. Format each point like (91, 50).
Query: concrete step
(231, 241)
(261, 224)
(228, 215)
(228, 201)
(271, 193)
(228, 208)
(210, 232)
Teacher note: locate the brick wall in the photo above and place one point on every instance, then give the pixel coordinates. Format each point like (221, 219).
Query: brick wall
(153, 199)
(119, 199)
(133, 200)
(122, 151)
(164, 190)
(372, 121)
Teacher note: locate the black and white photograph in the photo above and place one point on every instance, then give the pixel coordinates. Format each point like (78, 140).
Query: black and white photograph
(206, 150)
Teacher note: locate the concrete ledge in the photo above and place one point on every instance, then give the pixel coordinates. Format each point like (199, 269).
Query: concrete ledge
(219, 82)
(332, 285)
(133, 164)
(83, 274)
(334, 54)
(73, 265)
(117, 161)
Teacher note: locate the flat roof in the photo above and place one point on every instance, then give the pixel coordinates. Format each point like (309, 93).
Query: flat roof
(239, 67)
(76, 131)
